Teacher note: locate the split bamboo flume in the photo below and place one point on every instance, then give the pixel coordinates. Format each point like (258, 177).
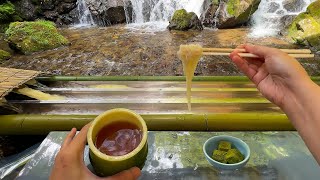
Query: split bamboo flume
(149, 78)
(43, 124)
(296, 53)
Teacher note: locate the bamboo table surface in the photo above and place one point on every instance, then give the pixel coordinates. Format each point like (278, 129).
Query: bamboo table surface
(178, 155)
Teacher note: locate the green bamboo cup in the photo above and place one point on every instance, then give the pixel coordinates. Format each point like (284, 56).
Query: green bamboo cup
(105, 165)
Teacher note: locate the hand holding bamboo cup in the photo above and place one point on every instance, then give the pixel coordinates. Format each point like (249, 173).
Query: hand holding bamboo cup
(296, 53)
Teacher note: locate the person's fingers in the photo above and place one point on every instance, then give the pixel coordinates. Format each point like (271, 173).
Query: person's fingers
(130, 174)
(79, 142)
(260, 51)
(260, 75)
(69, 137)
(243, 66)
(255, 61)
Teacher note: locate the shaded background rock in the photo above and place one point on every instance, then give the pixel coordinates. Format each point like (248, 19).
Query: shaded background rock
(109, 12)
(183, 21)
(28, 37)
(53, 10)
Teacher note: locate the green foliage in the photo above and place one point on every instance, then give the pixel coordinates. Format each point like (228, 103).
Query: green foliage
(28, 37)
(6, 11)
(4, 55)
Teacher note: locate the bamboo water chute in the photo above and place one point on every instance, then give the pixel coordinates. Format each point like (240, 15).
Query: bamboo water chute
(150, 78)
(296, 53)
(43, 124)
(198, 121)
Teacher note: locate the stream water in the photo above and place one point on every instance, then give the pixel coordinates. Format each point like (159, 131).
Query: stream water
(117, 50)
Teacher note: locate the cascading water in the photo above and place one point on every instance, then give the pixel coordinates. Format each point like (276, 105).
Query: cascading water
(84, 14)
(267, 20)
(155, 14)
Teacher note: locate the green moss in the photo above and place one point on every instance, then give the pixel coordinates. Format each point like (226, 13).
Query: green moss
(314, 10)
(181, 18)
(4, 55)
(232, 6)
(6, 11)
(28, 37)
(305, 30)
(215, 2)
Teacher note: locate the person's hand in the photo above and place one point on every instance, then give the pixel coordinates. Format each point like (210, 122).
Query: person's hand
(69, 163)
(275, 74)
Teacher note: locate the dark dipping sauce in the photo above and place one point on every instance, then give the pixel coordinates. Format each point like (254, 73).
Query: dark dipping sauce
(118, 138)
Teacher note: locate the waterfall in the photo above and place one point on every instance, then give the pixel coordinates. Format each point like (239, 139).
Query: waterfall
(268, 19)
(155, 14)
(84, 14)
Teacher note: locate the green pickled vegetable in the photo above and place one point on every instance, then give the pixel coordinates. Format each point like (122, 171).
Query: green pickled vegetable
(233, 156)
(226, 154)
(219, 156)
(224, 146)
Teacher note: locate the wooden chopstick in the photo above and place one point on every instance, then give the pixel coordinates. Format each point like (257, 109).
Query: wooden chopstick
(249, 55)
(291, 51)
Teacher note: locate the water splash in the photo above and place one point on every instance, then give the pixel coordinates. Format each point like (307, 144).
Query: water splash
(154, 15)
(84, 15)
(267, 20)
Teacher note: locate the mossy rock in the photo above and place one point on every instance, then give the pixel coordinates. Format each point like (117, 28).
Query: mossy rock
(28, 37)
(314, 10)
(4, 55)
(236, 12)
(182, 20)
(305, 28)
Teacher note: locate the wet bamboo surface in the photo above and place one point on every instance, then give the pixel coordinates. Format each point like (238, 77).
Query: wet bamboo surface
(217, 104)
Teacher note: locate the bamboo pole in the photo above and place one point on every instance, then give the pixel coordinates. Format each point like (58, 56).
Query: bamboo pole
(43, 124)
(248, 121)
(249, 55)
(150, 78)
(141, 78)
(291, 51)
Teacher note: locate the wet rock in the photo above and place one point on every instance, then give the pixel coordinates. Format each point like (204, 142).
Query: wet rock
(4, 55)
(51, 15)
(208, 16)
(45, 9)
(235, 12)
(65, 7)
(26, 9)
(286, 21)
(47, 4)
(273, 7)
(28, 37)
(183, 21)
(293, 5)
(107, 12)
(305, 28)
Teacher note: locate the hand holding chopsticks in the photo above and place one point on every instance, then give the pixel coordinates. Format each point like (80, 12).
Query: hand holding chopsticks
(297, 53)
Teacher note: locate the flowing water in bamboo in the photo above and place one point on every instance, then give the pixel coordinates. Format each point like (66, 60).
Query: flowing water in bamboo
(36, 94)
(190, 56)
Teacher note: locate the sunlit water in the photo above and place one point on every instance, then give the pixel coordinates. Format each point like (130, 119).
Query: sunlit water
(154, 15)
(266, 21)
